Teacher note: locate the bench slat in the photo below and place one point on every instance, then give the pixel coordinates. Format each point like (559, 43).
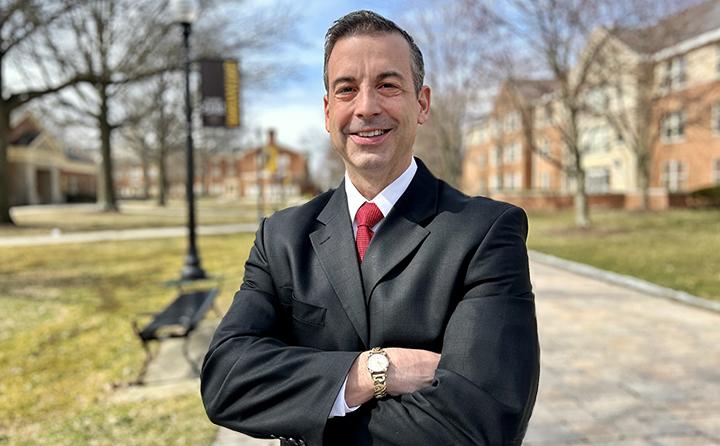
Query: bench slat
(180, 317)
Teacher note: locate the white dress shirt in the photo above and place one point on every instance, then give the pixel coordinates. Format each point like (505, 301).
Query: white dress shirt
(385, 201)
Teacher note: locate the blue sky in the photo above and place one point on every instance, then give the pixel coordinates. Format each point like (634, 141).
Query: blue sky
(294, 107)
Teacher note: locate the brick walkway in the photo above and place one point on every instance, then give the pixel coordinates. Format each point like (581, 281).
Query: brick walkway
(618, 368)
(623, 368)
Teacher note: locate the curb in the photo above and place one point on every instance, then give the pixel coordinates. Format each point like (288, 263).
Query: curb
(626, 281)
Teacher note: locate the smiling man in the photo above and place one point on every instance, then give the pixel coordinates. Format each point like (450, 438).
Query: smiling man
(393, 310)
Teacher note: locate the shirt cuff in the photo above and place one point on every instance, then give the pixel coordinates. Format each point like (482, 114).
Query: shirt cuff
(340, 407)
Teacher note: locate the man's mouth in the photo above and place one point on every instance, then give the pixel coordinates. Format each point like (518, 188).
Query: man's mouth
(369, 137)
(372, 133)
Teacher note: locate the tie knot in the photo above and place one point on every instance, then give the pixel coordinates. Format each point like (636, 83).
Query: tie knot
(368, 215)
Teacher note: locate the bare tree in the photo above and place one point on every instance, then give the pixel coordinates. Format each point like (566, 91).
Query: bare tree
(453, 56)
(156, 130)
(117, 42)
(556, 32)
(625, 91)
(21, 21)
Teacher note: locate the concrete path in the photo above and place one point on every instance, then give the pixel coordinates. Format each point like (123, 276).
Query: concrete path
(619, 367)
(122, 234)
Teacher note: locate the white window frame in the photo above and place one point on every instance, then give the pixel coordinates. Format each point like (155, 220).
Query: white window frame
(511, 180)
(673, 127)
(511, 154)
(512, 121)
(496, 156)
(675, 73)
(545, 180)
(597, 180)
(674, 175)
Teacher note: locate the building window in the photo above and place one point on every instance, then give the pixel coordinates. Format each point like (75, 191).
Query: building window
(495, 127)
(543, 147)
(674, 175)
(511, 180)
(545, 180)
(674, 73)
(512, 121)
(494, 182)
(715, 118)
(480, 159)
(716, 171)
(496, 156)
(597, 180)
(548, 112)
(512, 153)
(673, 127)
(595, 139)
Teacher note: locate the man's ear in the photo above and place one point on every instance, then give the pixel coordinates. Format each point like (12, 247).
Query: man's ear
(424, 102)
(327, 113)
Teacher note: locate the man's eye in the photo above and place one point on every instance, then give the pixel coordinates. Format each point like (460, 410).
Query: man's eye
(344, 90)
(388, 86)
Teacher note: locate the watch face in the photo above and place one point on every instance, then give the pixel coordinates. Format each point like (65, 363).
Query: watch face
(378, 363)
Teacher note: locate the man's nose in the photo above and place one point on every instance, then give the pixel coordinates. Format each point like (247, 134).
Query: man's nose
(367, 103)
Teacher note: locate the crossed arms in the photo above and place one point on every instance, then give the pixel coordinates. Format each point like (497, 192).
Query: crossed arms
(478, 390)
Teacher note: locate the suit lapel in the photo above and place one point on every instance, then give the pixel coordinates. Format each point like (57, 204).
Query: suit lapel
(402, 231)
(334, 245)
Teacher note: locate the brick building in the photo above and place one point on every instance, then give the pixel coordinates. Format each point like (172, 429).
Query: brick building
(276, 171)
(671, 69)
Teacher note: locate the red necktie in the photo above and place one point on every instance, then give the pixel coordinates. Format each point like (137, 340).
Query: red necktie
(367, 216)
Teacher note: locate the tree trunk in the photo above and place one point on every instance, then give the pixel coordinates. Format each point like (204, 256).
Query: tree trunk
(106, 199)
(5, 217)
(582, 209)
(146, 174)
(644, 185)
(162, 175)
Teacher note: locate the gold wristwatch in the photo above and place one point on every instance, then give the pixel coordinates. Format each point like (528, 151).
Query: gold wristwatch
(377, 365)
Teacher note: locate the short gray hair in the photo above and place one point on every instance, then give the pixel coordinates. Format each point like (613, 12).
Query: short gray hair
(368, 23)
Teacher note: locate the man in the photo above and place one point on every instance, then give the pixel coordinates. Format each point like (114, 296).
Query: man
(393, 310)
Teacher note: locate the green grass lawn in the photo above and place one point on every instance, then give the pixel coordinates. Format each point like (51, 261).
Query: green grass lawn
(133, 214)
(66, 338)
(679, 249)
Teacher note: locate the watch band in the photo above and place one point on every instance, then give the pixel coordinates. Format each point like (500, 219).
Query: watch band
(379, 377)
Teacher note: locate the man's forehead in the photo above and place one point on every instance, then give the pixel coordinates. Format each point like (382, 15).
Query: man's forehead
(387, 51)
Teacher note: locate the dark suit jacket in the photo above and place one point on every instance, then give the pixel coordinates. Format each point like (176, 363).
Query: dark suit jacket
(444, 272)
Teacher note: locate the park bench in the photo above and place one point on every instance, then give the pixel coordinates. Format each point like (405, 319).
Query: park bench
(177, 320)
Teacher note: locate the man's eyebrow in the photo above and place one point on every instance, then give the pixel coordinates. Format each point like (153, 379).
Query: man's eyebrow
(341, 80)
(387, 74)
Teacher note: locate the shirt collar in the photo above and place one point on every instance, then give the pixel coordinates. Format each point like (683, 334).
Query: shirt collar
(387, 197)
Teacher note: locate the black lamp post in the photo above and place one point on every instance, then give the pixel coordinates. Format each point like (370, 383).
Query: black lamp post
(191, 270)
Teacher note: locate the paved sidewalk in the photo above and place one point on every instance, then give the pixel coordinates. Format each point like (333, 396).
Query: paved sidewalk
(619, 367)
(122, 234)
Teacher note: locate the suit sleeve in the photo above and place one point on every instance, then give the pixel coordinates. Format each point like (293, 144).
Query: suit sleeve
(485, 386)
(252, 381)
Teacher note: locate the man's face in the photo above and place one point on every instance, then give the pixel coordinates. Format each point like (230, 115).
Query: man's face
(371, 109)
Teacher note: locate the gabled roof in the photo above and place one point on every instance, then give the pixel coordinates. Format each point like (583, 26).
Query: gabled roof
(677, 28)
(24, 132)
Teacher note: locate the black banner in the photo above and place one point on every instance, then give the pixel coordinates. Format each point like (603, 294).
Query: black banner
(220, 93)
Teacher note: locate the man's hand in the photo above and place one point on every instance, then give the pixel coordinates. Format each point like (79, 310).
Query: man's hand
(410, 370)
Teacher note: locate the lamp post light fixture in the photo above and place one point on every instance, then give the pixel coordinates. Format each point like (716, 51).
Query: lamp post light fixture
(185, 15)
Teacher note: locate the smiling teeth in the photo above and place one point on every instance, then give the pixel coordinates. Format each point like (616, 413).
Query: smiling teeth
(370, 134)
